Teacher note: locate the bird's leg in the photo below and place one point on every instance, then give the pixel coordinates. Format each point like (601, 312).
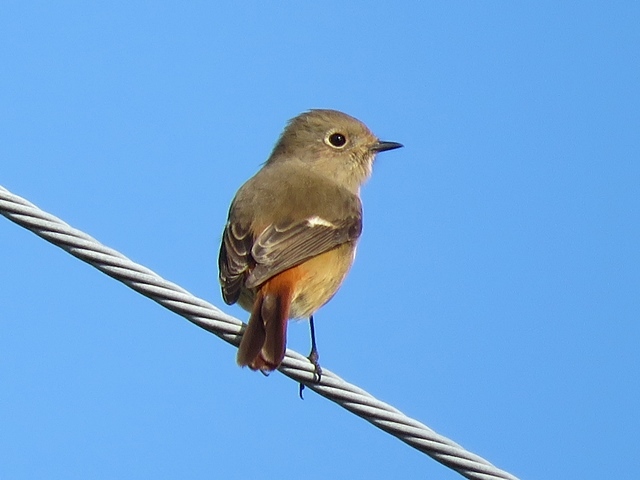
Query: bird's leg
(313, 357)
(313, 354)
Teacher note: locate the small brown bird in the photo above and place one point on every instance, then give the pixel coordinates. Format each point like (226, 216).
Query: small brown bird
(292, 230)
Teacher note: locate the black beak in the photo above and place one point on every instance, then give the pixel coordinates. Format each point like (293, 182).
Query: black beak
(381, 146)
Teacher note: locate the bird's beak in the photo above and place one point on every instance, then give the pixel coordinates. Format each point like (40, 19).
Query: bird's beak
(381, 146)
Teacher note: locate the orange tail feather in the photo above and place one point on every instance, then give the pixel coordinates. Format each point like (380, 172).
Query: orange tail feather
(265, 340)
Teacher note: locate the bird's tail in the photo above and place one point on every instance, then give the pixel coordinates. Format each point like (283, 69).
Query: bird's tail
(265, 340)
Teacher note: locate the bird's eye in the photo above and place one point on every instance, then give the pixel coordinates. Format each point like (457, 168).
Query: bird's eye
(337, 140)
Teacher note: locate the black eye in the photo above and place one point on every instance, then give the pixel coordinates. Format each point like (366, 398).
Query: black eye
(337, 140)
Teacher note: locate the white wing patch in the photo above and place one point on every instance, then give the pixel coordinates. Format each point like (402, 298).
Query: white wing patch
(316, 221)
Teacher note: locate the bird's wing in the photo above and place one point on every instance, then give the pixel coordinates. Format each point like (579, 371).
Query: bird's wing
(234, 259)
(279, 247)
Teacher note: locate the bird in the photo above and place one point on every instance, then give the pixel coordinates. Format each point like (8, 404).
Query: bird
(292, 229)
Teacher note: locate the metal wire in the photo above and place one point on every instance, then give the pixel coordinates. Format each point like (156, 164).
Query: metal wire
(210, 318)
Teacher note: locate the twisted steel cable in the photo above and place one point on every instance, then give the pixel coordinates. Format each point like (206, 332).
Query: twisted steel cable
(210, 318)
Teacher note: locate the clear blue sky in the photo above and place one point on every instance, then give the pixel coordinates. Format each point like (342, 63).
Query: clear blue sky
(496, 293)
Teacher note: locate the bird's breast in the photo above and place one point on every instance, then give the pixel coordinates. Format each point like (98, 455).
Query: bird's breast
(321, 276)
